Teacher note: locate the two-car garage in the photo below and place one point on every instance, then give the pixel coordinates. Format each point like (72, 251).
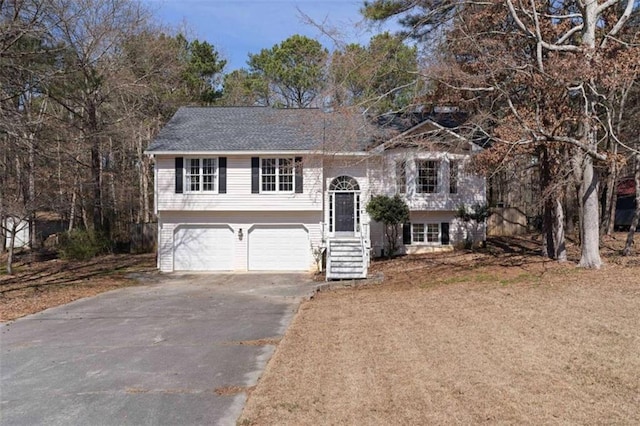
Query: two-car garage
(237, 247)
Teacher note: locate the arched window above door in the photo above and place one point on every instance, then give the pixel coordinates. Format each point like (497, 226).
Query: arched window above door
(344, 183)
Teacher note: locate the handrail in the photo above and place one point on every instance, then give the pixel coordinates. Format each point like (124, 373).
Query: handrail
(328, 257)
(364, 237)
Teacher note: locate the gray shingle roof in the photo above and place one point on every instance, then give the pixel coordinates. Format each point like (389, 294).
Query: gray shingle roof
(201, 129)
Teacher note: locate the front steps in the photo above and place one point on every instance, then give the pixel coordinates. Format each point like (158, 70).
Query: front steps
(346, 259)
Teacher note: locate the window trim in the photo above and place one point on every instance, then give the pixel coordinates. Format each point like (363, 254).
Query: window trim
(415, 233)
(187, 175)
(277, 175)
(425, 233)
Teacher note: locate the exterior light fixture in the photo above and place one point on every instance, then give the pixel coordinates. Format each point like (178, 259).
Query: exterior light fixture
(240, 235)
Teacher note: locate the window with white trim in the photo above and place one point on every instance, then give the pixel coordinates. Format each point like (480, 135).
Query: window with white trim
(427, 176)
(432, 232)
(277, 174)
(201, 174)
(425, 232)
(417, 232)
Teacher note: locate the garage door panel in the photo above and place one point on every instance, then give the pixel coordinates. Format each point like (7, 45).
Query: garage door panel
(203, 248)
(279, 248)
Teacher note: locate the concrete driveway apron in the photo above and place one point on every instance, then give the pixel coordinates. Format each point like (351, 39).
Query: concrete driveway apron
(178, 351)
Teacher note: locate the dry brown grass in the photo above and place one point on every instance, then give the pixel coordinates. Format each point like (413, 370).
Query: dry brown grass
(493, 337)
(38, 285)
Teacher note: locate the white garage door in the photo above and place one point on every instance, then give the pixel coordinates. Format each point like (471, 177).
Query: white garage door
(203, 248)
(279, 248)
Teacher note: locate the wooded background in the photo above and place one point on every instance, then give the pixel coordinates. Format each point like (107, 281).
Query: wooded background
(549, 89)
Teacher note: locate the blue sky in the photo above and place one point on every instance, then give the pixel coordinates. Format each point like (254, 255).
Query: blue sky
(239, 27)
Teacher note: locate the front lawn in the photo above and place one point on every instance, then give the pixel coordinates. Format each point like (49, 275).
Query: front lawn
(497, 336)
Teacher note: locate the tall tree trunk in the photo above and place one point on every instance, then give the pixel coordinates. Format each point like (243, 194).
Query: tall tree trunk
(30, 203)
(112, 207)
(3, 178)
(141, 194)
(84, 214)
(74, 197)
(96, 165)
(145, 183)
(145, 214)
(3, 232)
(548, 244)
(12, 242)
(589, 180)
(560, 248)
(636, 216)
(612, 180)
(97, 192)
(590, 208)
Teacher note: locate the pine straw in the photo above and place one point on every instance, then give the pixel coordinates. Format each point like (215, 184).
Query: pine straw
(38, 285)
(493, 337)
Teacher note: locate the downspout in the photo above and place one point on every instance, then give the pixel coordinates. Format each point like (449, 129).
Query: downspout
(324, 245)
(155, 209)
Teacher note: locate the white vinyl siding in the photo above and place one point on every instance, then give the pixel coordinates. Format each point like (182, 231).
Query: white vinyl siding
(470, 188)
(238, 196)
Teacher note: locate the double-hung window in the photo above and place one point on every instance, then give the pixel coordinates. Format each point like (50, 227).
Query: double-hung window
(427, 176)
(201, 174)
(417, 232)
(277, 174)
(432, 232)
(425, 232)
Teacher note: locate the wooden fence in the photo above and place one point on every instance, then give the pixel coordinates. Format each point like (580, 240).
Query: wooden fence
(506, 221)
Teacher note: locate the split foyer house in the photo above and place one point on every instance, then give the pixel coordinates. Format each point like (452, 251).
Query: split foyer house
(265, 189)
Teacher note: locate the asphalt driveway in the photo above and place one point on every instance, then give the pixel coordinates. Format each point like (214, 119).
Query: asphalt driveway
(177, 351)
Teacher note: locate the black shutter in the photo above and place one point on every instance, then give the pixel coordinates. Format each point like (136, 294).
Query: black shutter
(222, 176)
(179, 173)
(298, 169)
(406, 234)
(255, 175)
(444, 232)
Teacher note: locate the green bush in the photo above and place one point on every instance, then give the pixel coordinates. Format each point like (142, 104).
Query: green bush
(81, 244)
(390, 211)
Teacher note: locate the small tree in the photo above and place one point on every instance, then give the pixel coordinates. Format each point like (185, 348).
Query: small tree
(475, 215)
(391, 212)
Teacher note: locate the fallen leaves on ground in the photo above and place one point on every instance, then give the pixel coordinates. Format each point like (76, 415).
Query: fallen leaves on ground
(38, 285)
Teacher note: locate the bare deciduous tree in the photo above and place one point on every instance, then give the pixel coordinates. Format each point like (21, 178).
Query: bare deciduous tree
(534, 74)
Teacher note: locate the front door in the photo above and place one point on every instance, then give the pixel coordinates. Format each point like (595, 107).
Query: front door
(344, 212)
